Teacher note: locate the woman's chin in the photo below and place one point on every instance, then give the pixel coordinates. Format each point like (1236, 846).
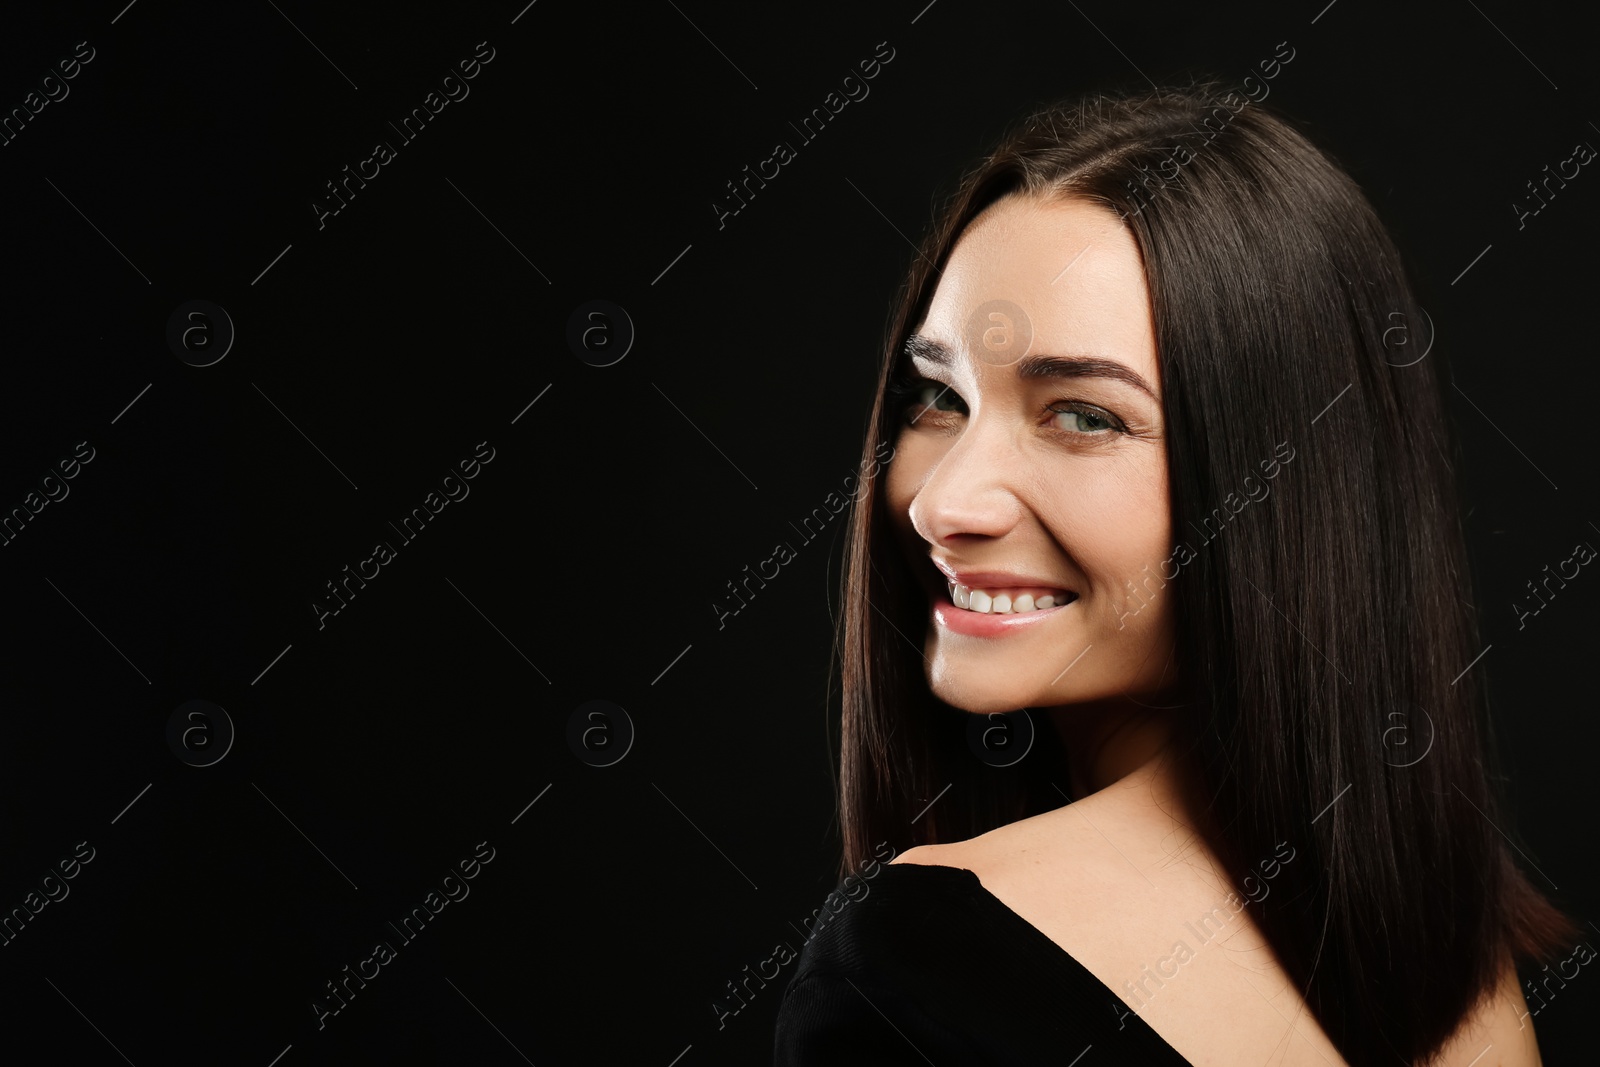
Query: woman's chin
(982, 700)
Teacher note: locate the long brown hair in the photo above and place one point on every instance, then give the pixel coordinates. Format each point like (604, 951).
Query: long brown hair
(1276, 293)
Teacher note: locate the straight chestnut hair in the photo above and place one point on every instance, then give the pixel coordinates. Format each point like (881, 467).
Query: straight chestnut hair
(1315, 626)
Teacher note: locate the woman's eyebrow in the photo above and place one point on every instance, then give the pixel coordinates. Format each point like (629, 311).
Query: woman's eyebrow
(1040, 366)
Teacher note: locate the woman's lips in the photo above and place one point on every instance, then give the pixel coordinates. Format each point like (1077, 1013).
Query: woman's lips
(982, 624)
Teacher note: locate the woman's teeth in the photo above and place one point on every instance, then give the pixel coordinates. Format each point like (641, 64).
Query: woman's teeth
(1005, 601)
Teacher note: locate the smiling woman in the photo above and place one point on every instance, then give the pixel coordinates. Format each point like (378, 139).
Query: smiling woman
(986, 450)
(1071, 387)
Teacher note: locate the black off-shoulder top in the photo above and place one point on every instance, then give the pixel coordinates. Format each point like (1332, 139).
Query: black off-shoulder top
(930, 967)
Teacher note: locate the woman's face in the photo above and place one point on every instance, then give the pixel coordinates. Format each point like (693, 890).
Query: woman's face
(1030, 462)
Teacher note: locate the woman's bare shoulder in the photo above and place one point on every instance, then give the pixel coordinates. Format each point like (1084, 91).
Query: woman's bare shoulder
(1059, 871)
(992, 855)
(943, 855)
(1113, 835)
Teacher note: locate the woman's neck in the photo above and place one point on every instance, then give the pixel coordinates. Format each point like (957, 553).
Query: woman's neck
(1105, 743)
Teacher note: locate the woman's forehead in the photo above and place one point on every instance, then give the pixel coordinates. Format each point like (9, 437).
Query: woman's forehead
(1031, 275)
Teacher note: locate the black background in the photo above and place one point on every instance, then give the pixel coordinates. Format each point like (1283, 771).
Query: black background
(374, 353)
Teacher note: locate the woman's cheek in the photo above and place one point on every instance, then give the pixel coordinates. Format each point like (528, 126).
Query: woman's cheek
(915, 455)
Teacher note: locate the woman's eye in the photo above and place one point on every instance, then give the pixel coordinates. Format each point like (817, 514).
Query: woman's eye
(1086, 420)
(916, 397)
(919, 398)
(934, 396)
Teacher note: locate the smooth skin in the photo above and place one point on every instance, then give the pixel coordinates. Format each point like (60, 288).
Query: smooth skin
(1064, 478)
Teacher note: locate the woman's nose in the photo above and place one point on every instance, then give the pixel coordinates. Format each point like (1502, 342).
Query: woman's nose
(970, 489)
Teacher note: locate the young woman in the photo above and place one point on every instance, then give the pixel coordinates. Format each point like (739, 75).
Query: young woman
(1170, 470)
